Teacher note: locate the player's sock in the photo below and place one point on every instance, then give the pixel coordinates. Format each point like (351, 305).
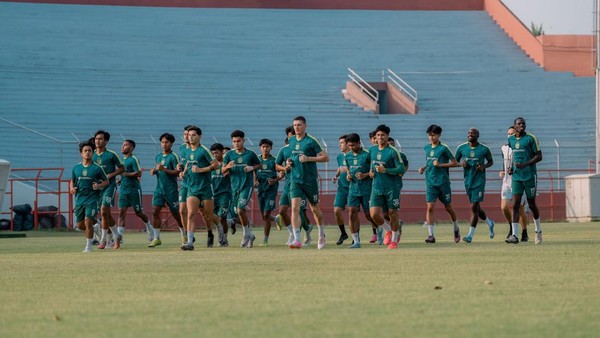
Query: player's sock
(297, 236)
(538, 225)
(88, 243)
(220, 230)
(430, 229)
(395, 235)
(182, 232)
(121, 230)
(290, 229)
(321, 230)
(471, 232)
(342, 229)
(386, 226)
(456, 228)
(266, 239)
(355, 237)
(247, 230)
(190, 237)
(374, 230)
(115, 231)
(489, 222)
(515, 229)
(149, 227)
(156, 233)
(104, 235)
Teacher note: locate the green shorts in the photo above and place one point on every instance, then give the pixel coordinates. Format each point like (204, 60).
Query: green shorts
(242, 197)
(305, 191)
(160, 199)
(132, 199)
(266, 200)
(107, 195)
(284, 199)
(441, 192)
(528, 187)
(341, 198)
(356, 201)
(203, 193)
(183, 194)
(86, 211)
(475, 194)
(389, 197)
(222, 202)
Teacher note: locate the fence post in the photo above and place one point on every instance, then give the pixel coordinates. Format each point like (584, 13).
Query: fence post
(557, 163)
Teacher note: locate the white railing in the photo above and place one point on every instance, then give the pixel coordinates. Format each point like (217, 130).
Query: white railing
(402, 85)
(364, 86)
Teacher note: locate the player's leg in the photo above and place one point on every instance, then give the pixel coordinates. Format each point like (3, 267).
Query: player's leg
(518, 188)
(354, 224)
(209, 217)
(339, 205)
(445, 197)
(531, 193)
(192, 206)
(296, 222)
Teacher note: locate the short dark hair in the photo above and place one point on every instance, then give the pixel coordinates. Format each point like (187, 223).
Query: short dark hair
(265, 141)
(391, 140)
(372, 134)
(343, 137)
(383, 128)
(286, 141)
(434, 128)
(217, 146)
(85, 144)
(353, 137)
(168, 136)
(226, 148)
(300, 118)
(237, 133)
(104, 133)
(196, 129)
(519, 118)
(130, 142)
(188, 127)
(289, 129)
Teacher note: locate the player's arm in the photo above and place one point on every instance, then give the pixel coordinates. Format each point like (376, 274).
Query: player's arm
(451, 161)
(321, 157)
(214, 165)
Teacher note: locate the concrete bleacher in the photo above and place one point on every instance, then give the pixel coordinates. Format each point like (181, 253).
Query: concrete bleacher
(68, 70)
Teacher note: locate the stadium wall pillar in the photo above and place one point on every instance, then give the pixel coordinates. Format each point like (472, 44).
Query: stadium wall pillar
(4, 172)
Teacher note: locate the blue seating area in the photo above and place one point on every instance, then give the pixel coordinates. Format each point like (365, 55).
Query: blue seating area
(68, 70)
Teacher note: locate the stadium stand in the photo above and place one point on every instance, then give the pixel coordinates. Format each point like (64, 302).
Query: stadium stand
(68, 70)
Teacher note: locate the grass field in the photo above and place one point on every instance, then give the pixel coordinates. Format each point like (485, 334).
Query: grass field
(48, 287)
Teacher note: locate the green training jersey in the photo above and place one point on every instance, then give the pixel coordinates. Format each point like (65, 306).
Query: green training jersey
(130, 184)
(360, 162)
(200, 157)
(435, 176)
(304, 173)
(83, 178)
(241, 179)
(343, 184)
(183, 150)
(523, 150)
(389, 157)
(109, 161)
(221, 183)
(266, 172)
(166, 183)
(480, 154)
(282, 156)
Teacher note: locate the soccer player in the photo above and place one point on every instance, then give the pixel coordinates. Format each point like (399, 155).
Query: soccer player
(306, 153)
(87, 178)
(165, 193)
(358, 161)
(183, 149)
(386, 165)
(267, 182)
(199, 163)
(437, 178)
(221, 185)
(240, 163)
(130, 192)
(506, 203)
(112, 165)
(475, 157)
(283, 219)
(341, 195)
(377, 231)
(526, 153)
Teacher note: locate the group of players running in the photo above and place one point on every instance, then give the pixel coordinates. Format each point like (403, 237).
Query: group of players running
(219, 184)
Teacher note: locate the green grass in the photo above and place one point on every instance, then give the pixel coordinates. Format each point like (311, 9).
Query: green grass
(49, 288)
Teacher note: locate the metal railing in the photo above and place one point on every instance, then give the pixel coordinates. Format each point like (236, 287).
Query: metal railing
(402, 85)
(364, 86)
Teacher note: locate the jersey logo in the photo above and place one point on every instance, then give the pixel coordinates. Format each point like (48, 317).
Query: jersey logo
(472, 154)
(99, 160)
(239, 160)
(517, 145)
(264, 166)
(84, 172)
(378, 156)
(192, 157)
(355, 161)
(297, 146)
